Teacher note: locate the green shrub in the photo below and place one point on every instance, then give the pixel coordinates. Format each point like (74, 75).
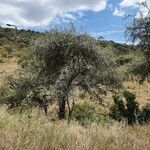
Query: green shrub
(26, 59)
(4, 41)
(123, 60)
(22, 45)
(8, 49)
(3, 54)
(1, 60)
(129, 110)
(2, 33)
(140, 67)
(86, 113)
(22, 92)
(118, 110)
(145, 114)
(132, 107)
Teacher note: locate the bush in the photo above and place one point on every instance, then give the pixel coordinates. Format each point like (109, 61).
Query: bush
(123, 60)
(132, 107)
(129, 110)
(8, 48)
(26, 59)
(118, 110)
(86, 113)
(22, 45)
(2, 34)
(3, 54)
(22, 92)
(145, 114)
(140, 67)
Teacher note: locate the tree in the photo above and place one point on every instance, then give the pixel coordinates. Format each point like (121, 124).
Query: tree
(70, 59)
(140, 29)
(139, 32)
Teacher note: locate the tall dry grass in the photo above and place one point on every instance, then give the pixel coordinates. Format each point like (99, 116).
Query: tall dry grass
(24, 132)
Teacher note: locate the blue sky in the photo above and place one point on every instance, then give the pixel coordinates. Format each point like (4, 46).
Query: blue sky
(96, 17)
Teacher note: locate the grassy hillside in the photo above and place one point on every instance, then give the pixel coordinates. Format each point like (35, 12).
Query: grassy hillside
(15, 51)
(89, 127)
(16, 45)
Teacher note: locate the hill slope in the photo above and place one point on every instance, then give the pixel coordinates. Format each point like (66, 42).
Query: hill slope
(15, 47)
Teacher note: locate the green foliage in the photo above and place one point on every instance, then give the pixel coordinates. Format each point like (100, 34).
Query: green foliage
(22, 45)
(139, 32)
(58, 49)
(129, 110)
(86, 113)
(22, 92)
(17, 39)
(27, 60)
(123, 60)
(145, 114)
(2, 33)
(5, 51)
(140, 67)
(67, 57)
(118, 110)
(132, 107)
(8, 49)
(3, 54)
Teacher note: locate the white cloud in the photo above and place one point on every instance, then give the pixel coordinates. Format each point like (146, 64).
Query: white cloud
(133, 4)
(118, 12)
(41, 12)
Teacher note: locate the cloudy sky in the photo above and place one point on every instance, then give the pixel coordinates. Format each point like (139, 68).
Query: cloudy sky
(97, 17)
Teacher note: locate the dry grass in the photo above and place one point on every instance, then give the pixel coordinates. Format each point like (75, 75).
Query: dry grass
(142, 91)
(19, 132)
(8, 67)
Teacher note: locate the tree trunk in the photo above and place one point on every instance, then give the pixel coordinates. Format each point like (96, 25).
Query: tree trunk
(63, 85)
(62, 106)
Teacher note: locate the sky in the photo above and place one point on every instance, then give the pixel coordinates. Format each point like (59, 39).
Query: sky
(106, 18)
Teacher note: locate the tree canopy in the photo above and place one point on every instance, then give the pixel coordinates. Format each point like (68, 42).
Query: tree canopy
(68, 58)
(139, 32)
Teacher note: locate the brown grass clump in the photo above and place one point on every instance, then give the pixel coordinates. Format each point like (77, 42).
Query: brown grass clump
(38, 133)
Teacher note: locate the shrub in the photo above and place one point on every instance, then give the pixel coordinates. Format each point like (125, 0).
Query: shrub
(26, 59)
(86, 113)
(118, 110)
(129, 110)
(145, 114)
(83, 112)
(8, 48)
(2, 34)
(22, 45)
(140, 67)
(3, 54)
(132, 107)
(123, 60)
(22, 92)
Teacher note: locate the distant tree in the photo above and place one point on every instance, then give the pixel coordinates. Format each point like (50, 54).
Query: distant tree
(101, 38)
(139, 32)
(11, 26)
(70, 59)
